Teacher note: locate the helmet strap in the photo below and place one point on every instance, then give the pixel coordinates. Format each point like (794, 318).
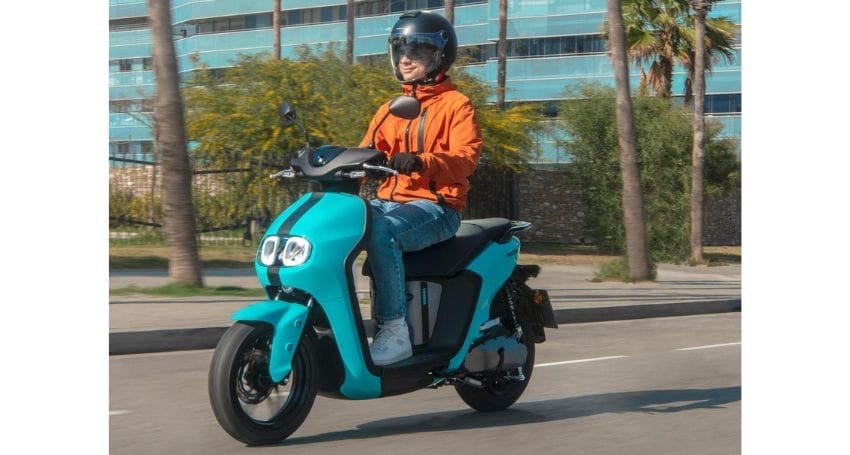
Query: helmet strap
(433, 80)
(440, 77)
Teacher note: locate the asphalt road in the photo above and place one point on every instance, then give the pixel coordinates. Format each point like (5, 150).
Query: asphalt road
(661, 386)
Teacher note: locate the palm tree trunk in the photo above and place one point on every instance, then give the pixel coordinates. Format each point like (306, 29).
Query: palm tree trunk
(667, 66)
(276, 28)
(699, 133)
(349, 40)
(502, 54)
(637, 254)
(449, 8)
(170, 140)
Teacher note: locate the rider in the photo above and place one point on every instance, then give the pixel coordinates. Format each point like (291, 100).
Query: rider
(434, 154)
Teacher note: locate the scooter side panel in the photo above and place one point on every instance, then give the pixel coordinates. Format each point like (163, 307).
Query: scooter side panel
(325, 275)
(494, 265)
(288, 321)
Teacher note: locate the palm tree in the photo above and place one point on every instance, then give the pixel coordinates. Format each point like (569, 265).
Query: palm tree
(637, 251)
(170, 140)
(349, 41)
(276, 29)
(718, 41)
(660, 33)
(449, 8)
(701, 9)
(502, 49)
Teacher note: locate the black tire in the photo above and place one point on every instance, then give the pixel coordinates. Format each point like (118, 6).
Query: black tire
(499, 393)
(246, 403)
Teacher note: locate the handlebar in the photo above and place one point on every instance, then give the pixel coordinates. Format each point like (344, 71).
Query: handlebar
(291, 173)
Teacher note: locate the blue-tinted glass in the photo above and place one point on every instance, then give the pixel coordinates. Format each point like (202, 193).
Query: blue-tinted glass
(264, 20)
(569, 44)
(736, 103)
(293, 17)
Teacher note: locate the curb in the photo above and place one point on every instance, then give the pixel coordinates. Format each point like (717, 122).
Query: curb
(166, 340)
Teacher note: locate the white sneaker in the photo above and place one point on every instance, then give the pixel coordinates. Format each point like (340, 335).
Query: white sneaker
(391, 344)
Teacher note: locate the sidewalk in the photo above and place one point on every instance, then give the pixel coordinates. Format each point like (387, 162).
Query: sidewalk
(142, 323)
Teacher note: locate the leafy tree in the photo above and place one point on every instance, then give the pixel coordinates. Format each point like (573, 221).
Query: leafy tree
(233, 122)
(664, 142)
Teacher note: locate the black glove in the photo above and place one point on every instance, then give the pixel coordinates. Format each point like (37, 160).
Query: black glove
(405, 163)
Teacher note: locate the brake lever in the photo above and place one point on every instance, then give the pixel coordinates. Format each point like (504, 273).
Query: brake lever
(384, 169)
(286, 173)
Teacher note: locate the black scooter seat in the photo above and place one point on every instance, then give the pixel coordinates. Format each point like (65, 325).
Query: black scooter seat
(448, 258)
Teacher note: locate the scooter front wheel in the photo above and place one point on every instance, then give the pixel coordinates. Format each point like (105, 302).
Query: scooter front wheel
(246, 402)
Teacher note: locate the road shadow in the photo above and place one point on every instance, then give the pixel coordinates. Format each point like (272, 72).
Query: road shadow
(650, 402)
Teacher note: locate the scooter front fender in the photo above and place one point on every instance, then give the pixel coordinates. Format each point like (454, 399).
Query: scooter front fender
(288, 320)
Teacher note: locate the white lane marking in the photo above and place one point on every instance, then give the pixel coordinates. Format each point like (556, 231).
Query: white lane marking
(709, 346)
(118, 413)
(539, 365)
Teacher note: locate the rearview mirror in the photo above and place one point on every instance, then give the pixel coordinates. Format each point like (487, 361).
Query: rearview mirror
(406, 107)
(286, 113)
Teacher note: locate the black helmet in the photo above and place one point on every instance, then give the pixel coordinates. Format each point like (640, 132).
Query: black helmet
(425, 35)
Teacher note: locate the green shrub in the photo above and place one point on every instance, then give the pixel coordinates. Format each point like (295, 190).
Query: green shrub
(664, 145)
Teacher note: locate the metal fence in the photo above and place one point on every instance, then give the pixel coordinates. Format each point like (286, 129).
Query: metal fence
(229, 213)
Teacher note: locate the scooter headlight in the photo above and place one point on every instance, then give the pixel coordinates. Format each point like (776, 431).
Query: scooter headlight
(288, 251)
(269, 250)
(295, 251)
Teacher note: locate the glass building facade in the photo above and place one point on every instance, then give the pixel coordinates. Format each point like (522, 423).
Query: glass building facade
(552, 45)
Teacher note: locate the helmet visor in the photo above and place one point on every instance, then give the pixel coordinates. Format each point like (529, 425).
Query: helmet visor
(422, 48)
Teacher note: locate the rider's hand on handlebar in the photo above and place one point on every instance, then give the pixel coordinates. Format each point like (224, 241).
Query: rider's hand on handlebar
(405, 163)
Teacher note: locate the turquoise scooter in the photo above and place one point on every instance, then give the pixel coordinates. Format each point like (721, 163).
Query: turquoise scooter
(473, 319)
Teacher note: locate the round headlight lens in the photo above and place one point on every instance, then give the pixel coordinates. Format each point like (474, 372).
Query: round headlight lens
(296, 251)
(268, 252)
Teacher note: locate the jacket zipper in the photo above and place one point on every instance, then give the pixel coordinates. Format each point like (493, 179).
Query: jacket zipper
(406, 149)
(432, 185)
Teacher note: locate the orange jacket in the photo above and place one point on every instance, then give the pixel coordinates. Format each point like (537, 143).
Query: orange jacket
(451, 146)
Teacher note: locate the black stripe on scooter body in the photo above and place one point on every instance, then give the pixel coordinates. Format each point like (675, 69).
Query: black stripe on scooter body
(286, 226)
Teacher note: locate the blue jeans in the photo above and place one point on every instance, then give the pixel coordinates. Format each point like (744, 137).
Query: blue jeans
(397, 228)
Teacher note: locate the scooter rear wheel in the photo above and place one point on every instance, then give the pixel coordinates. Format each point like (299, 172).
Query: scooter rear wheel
(246, 402)
(498, 392)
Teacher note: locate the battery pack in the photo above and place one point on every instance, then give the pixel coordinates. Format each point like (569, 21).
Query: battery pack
(423, 302)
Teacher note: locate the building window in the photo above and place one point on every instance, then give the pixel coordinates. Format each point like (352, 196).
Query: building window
(129, 24)
(122, 150)
(726, 103)
(293, 17)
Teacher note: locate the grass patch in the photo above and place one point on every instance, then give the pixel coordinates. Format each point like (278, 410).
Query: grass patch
(618, 270)
(185, 290)
(722, 255)
(558, 249)
(561, 254)
(156, 256)
(223, 256)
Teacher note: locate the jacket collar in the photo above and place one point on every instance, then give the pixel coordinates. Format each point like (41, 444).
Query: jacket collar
(425, 92)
